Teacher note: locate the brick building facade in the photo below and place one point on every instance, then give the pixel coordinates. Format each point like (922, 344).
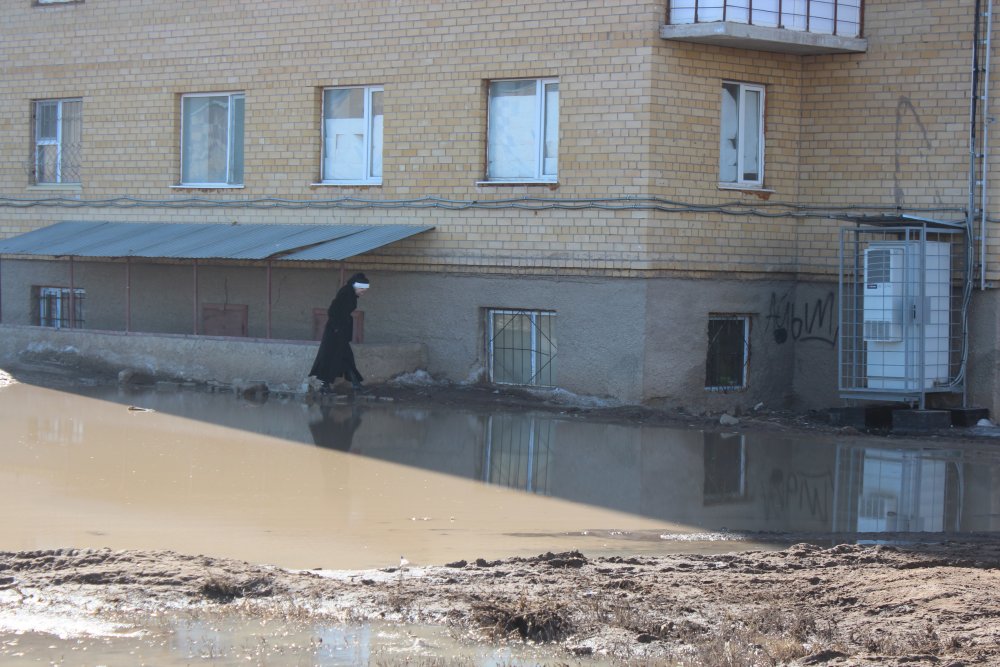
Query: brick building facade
(618, 248)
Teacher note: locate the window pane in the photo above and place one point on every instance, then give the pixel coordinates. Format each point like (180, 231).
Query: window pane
(550, 155)
(46, 163)
(206, 139)
(751, 135)
(344, 135)
(376, 135)
(513, 125)
(730, 130)
(46, 120)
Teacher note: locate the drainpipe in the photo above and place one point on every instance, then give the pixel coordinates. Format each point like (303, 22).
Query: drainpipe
(987, 121)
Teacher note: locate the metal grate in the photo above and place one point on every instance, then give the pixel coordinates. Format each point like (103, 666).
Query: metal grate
(901, 313)
(60, 307)
(522, 347)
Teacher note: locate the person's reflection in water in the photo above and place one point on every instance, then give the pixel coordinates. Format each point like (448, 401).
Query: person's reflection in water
(335, 428)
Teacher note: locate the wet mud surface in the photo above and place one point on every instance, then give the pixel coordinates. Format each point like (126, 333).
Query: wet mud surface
(922, 604)
(911, 600)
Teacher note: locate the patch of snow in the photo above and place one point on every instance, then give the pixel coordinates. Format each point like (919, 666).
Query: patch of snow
(416, 378)
(568, 398)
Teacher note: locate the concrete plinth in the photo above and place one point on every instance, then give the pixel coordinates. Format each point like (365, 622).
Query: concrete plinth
(863, 418)
(920, 421)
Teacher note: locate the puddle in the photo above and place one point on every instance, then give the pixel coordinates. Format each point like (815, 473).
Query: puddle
(176, 640)
(362, 485)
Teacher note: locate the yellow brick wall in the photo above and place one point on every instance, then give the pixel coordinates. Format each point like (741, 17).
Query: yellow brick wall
(639, 117)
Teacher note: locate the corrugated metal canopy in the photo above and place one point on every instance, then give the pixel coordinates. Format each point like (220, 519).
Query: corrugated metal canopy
(206, 240)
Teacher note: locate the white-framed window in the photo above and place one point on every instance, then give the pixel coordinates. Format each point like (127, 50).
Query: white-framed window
(728, 358)
(741, 146)
(212, 139)
(523, 136)
(60, 307)
(352, 135)
(58, 141)
(521, 345)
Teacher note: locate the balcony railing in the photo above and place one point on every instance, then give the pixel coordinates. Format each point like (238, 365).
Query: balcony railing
(822, 17)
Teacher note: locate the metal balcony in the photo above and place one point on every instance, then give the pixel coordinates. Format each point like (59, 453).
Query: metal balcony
(802, 27)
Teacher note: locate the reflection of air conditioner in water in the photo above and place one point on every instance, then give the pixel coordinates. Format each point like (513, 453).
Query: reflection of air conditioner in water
(906, 314)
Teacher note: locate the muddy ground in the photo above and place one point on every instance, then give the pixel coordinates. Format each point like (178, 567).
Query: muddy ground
(924, 604)
(924, 601)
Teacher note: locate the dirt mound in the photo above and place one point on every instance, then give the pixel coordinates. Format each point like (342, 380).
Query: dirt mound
(922, 604)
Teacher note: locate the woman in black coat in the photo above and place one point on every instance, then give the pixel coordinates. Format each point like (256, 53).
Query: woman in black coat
(335, 357)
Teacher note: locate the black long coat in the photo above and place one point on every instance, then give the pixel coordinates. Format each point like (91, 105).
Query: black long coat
(335, 358)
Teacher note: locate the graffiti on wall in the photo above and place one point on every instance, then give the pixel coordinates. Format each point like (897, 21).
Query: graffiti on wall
(800, 494)
(810, 321)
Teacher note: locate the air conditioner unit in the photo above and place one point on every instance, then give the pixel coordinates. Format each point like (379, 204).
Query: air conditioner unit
(883, 296)
(906, 314)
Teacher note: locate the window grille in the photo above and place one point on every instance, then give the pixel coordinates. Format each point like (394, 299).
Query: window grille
(522, 347)
(60, 307)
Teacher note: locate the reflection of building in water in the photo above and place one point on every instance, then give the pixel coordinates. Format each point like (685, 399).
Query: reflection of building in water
(518, 452)
(58, 430)
(725, 468)
(882, 490)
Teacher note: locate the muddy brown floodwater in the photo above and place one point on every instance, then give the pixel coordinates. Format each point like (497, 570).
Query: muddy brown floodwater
(173, 525)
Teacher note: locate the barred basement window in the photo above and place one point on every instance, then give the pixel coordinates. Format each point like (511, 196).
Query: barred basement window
(522, 346)
(60, 307)
(728, 353)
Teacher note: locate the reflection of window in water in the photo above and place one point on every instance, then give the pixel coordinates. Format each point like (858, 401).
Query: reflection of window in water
(902, 491)
(518, 452)
(725, 468)
(58, 431)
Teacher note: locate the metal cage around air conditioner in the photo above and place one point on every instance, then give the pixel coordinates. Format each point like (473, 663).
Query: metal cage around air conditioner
(901, 312)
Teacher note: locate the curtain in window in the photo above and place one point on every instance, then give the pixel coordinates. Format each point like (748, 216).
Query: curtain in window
(513, 144)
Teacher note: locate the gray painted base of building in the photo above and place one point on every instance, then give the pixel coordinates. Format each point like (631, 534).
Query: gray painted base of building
(280, 364)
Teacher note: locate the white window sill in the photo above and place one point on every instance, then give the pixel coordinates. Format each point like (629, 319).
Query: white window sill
(745, 187)
(517, 182)
(346, 184)
(55, 187)
(206, 186)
